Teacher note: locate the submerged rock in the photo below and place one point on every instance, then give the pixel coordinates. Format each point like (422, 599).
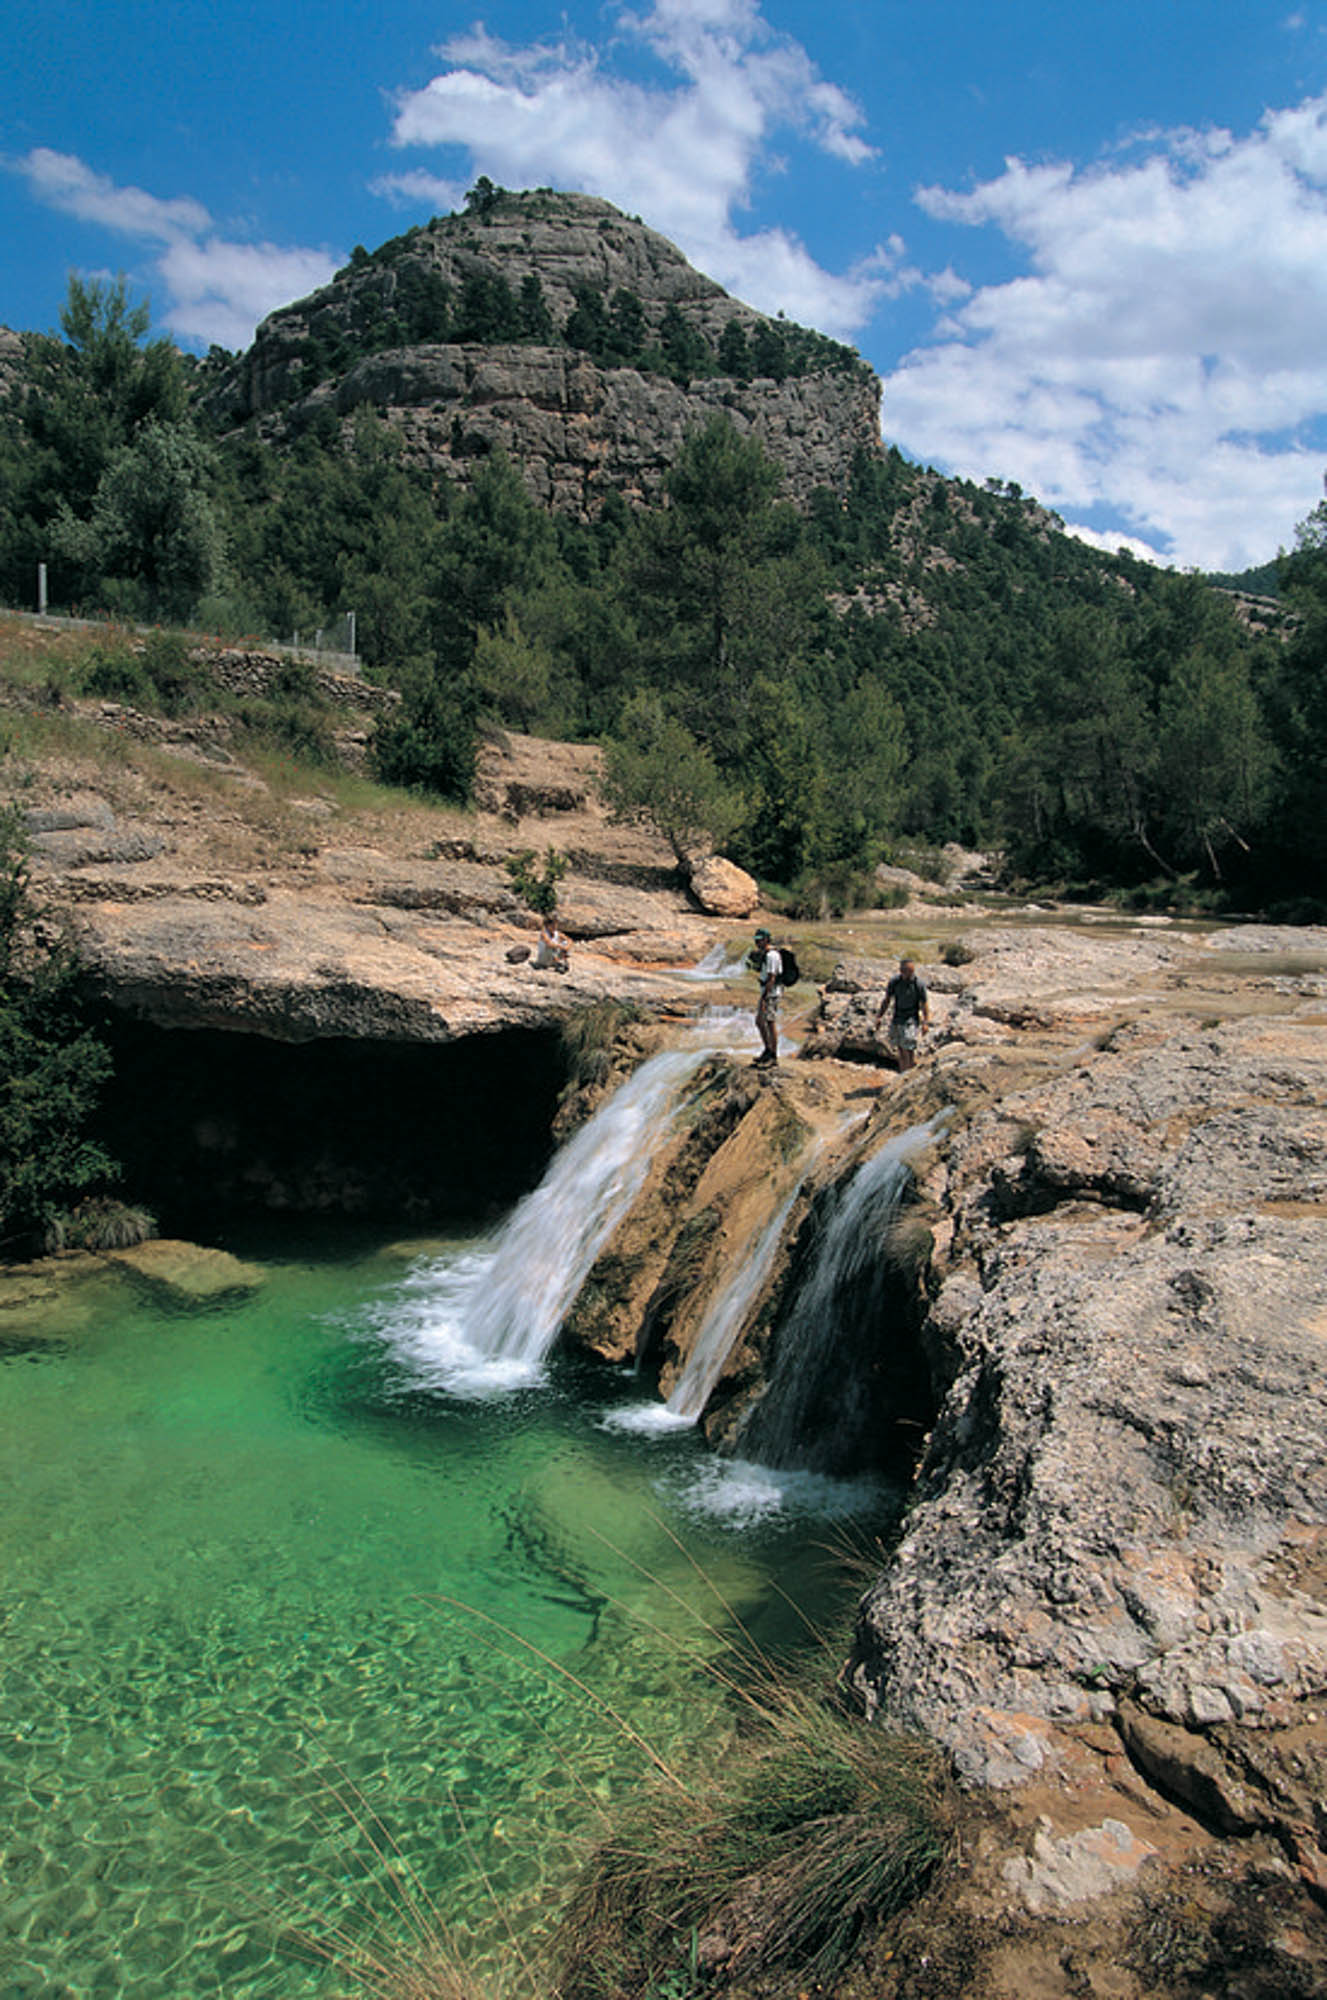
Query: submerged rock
(188, 1274)
(41, 1302)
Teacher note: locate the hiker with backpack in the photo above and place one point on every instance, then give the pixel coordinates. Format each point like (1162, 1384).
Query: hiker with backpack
(777, 968)
(911, 1006)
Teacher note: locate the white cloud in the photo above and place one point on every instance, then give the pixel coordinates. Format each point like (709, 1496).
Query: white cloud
(219, 291)
(413, 188)
(216, 291)
(682, 153)
(63, 182)
(1097, 538)
(1161, 355)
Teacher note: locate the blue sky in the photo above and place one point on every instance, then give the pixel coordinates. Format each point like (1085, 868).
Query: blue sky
(1084, 245)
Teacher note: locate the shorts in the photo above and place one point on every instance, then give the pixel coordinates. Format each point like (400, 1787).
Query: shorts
(905, 1034)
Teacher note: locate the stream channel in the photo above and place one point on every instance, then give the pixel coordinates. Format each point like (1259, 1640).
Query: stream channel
(302, 1634)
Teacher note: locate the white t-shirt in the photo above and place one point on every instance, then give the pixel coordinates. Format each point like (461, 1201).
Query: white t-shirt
(771, 973)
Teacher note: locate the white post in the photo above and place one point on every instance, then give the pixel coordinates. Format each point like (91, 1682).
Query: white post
(351, 616)
(41, 590)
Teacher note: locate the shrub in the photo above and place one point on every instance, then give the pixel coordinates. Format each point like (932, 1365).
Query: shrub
(657, 774)
(832, 891)
(539, 892)
(116, 674)
(52, 1066)
(159, 677)
(182, 684)
(99, 1223)
(428, 745)
(298, 731)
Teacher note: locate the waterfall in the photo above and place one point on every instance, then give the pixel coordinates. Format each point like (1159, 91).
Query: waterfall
(718, 963)
(719, 1330)
(816, 1410)
(487, 1319)
(723, 1323)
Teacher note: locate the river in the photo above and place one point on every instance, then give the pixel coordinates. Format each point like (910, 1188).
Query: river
(304, 1641)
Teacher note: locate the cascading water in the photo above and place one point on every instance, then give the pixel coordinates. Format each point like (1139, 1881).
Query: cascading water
(718, 964)
(816, 1410)
(714, 1342)
(487, 1319)
(724, 1320)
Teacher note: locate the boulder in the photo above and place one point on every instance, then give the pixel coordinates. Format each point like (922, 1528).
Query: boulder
(722, 889)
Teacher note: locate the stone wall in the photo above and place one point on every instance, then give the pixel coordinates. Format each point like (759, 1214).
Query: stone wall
(248, 671)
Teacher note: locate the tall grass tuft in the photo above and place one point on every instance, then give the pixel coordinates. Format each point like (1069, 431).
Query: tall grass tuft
(391, 1942)
(771, 1862)
(100, 1223)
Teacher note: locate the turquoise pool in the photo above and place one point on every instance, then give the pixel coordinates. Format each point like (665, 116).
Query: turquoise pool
(300, 1645)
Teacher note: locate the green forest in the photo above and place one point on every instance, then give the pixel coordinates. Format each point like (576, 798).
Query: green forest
(917, 660)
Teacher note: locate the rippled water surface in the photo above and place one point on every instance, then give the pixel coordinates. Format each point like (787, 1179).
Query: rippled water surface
(294, 1636)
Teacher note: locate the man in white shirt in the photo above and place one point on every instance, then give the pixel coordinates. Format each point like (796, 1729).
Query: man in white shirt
(769, 965)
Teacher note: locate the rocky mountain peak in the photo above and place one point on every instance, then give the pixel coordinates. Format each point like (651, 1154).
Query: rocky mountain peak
(569, 335)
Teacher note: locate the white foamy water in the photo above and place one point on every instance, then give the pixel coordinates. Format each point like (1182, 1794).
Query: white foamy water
(484, 1321)
(739, 1494)
(717, 964)
(725, 1319)
(645, 1420)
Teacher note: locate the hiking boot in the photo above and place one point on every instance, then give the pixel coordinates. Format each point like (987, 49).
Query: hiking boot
(767, 1061)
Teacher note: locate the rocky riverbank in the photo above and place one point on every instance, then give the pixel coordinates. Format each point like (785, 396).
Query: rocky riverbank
(1109, 1601)
(1110, 1597)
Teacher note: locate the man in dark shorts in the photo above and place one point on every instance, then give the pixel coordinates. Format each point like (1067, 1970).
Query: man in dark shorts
(911, 1006)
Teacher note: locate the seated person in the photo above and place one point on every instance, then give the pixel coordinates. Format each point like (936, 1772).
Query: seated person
(551, 951)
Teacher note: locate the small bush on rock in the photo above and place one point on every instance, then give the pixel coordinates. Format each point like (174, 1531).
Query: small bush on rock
(537, 890)
(100, 1224)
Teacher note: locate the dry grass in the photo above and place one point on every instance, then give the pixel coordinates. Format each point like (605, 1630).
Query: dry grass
(31, 654)
(772, 1855)
(770, 1863)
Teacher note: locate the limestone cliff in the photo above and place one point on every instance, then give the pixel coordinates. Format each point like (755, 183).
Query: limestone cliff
(1112, 1266)
(461, 335)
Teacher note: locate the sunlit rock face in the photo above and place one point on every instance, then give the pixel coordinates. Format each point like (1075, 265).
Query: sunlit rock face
(579, 429)
(1118, 1510)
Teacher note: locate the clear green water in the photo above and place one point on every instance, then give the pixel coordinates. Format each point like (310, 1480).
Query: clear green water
(236, 1711)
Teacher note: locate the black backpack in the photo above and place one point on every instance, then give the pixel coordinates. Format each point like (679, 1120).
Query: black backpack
(791, 973)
